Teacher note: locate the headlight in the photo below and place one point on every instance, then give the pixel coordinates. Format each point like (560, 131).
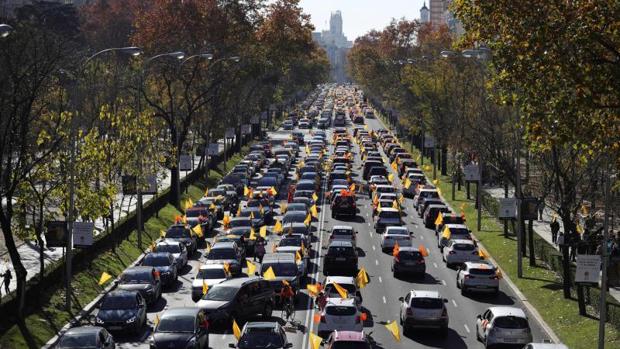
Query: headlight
(99, 321)
(165, 272)
(131, 319)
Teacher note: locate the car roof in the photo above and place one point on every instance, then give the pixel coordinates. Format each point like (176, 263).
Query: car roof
(279, 257)
(343, 227)
(211, 266)
(508, 311)
(425, 294)
(350, 336)
(340, 243)
(462, 241)
(341, 302)
(169, 242)
(455, 226)
(262, 324)
(238, 282)
(223, 244)
(192, 311)
(408, 249)
(339, 280)
(479, 265)
(389, 209)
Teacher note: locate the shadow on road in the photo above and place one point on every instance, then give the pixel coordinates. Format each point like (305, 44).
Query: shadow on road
(435, 339)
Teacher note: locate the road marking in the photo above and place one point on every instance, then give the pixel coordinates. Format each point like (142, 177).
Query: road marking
(443, 282)
(373, 247)
(466, 328)
(453, 302)
(422, 237)
(369, 232)
(376, 262)
(384, 301)
(380, 279)
(434, 264)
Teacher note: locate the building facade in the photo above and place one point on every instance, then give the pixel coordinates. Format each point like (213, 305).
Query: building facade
(425, 14)
(335, 43)
(440, 14)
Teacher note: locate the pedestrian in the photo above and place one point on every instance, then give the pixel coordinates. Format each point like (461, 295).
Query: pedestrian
(259, 250)
(555, 228)
(574, 241)
(560, 240)
(541, 208)
(7, 280)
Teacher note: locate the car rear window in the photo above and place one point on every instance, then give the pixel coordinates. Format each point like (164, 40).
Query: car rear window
(512, 322)
(389, 214)
(463, 247)
(427, 303)
(222, 253)
(409, 255)
(340, 310)
(482, 271)
(342, 232)
(340, 251)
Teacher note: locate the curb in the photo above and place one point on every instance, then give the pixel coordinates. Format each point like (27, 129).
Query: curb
(85, 312)
(529, 307)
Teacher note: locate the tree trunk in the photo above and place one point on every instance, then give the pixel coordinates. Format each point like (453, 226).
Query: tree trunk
(530, 231)
(175, 183)
(444, 161)
(39, 233)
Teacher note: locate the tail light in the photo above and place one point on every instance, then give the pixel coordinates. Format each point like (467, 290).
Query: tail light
(494, 277)
(444, 313)
(469, 277)
(421, 261)
(409, 312)
(475, 253)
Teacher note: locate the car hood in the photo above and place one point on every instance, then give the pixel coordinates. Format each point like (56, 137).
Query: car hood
(116, 314)
(163, 340)
(134, 287)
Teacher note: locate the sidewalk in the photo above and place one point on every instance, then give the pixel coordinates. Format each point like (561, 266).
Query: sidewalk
(29, 251)
(542, 228)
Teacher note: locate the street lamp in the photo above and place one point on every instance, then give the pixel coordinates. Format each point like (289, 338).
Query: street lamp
(130, 51)
(207, 56)
(5, 30)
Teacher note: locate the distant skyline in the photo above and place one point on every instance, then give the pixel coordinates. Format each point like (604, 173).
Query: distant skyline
(361, 16)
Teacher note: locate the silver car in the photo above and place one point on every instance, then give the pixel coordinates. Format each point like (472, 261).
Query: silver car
(477, 277)
(503, 325)
(424, 309)
(343, 232)
(177, 249)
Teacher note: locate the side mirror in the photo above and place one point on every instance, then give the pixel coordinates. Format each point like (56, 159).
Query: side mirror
(478, 316)
(445, 300)
(401, 299)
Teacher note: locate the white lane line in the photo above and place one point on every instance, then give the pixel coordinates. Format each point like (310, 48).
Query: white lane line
(466, 328)
(453, 302)
(373, 247)
(384, 301)
(376, 262)
(434, 264)
(369, 233)
(443, 282)
(380, 279)
(422, 237)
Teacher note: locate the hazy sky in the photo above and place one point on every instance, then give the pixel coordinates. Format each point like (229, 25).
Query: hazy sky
(360, 16)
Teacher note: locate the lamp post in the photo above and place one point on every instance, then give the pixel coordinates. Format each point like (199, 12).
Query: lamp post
(5, 30)
(131, 51)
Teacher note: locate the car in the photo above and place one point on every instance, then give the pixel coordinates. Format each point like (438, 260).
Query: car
(393, 235)
(448, 218)
(343, 232)
(165, 264)
(123, 311)
(284, 267)
(297, 207)
(226, 252)
(358, 119)
(452, 231)
(179, 232)
(258, 218)
(341, 258)
(387, 217)
(235, 234)
(340, 315)
(409, 261)
(145, 280)
(545, 346)
(240, 222)
(477, 277)
(86, 337)
(425, 202)
(503, 325)
(430, 214)
(424, 194)
(347, 282)
(177, 249)
(347, 340)
(208, 274)
(261, 335)
(287, 125)
(425, 310)
(294, 217)
(459, 251)
(343, 205)
(239, 299)
(181, 328)
(200, 215)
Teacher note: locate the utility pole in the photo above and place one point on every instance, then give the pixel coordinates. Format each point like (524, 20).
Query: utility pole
(604, 256)
(518, 196)
(478, 193)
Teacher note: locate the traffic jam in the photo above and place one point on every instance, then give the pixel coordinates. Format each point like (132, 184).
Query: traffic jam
(326, 235)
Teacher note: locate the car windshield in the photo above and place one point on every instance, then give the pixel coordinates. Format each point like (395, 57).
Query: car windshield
(136, 278)
(463, 247)
(397, 231)
(487, 271)
(79, 340)
(267, 182)
(156, 261)
(211, 274)
(240, 223)
(296, 207)
(511, 322)
(340, 251)
(176, 324)
(459, 231)
(118, 302)
(248, 213)
(169, 248)
(195, 213)
(336, 310)
(427, 303)
(389, 214)
(177, 233)
(292, 241)
(294, 217)
(260, 337)
(221, 253)
(305, 186)
(409, 255)
(280, 269)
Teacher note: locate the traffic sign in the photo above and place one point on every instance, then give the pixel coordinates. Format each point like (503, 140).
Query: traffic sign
(507, 208)
(265, 116)
(588, 268)
(56, 234)
(129, 185)
(185, 162)
(214, 149)
(151, 188)
(471, 173)
(83, 234)
(246, 129)
(429, 142)
(230, 132)
(254, 120)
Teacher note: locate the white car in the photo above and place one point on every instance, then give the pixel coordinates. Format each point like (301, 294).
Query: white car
(347, 282)
(210, 274)
(503, 325)
(394, 234)
(340, 315)
(343, 232)
(460, 251)
(378, 180)
(477, 276)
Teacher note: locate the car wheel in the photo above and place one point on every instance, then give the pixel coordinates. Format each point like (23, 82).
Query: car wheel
(458, 285)
(463, 290)
(478, 334)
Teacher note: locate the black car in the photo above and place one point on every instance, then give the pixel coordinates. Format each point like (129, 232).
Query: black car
(122, 311)
(86, 337)
(165, 264)
(341, 258)
(261, 335)
(181, 328)
(145, 280)
(343, 205)
(181, 233)
(239, 298)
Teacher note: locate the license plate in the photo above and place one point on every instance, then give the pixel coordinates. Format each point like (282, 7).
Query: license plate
(340, 259)
(115, 328)
(409, 263)
(510, 340)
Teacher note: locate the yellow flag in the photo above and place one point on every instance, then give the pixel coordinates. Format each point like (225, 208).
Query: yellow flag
(269, 274)
(297, 256)
(395, 205)
(391, 178)
(439, 219)
(236, 329)
(283, 208)
(156, 321)
(362, 278)
(277, 228)
(314, 211)
(205, 287)
(315, 341)
(341, 291)
(313, 289)
(446, 233)
(394, 330)
(251, 267)
(263, 231)
(274, 192)
(584, 210)
(252, 215)
(198, 230)
(152, 247)
(352, 187)
(246, 191)
(401, 200)
(435, 181)
(207, 192)
(579, 229)
(308, 219)
(104, 278)
(212, 207)
(162, 234)
(407, 183)
(482, 254)
(227, 268)
(252, 234)
(226, 220)
(315, 198)
(394, 166)
(307, 149)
